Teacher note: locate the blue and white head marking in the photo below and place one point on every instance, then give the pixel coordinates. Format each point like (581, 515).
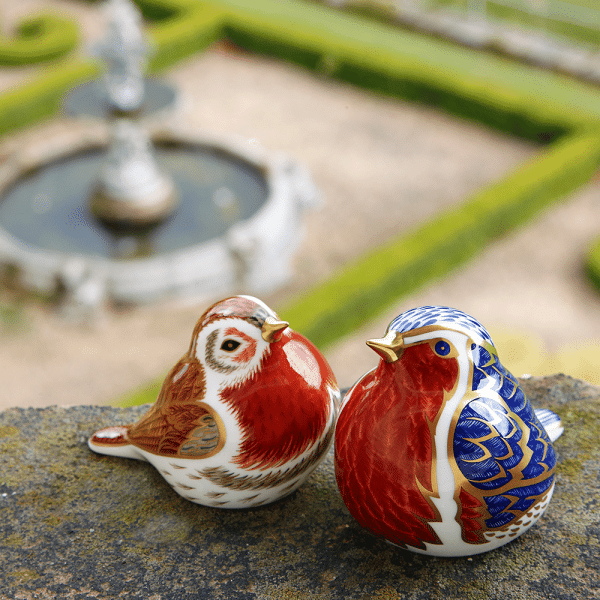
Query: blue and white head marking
(442, 316)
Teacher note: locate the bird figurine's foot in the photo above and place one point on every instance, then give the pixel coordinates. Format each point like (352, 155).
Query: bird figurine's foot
(243, 418)
(437, 449)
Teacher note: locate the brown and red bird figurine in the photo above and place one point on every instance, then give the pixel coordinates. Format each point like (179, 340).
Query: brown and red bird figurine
(243, 418)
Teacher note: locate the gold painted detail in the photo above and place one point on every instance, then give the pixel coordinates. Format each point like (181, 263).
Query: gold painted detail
(388, 347)
(434, 492)
(428, 495)
(271, 327)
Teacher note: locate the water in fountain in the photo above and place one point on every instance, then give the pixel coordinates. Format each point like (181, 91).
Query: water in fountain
(52, 207)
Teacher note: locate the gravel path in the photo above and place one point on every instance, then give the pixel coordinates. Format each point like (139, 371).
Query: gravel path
(382, 166)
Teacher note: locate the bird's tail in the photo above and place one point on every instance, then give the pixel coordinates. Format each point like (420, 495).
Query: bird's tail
(114, 442)
(551, 422)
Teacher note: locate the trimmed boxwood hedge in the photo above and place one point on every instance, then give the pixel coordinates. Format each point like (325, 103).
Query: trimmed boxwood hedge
(42, 97)
(39, 39)
(182, 28)
(592, 264)
(489, 89)
(180, 39)
(567, 29)
(514, 98)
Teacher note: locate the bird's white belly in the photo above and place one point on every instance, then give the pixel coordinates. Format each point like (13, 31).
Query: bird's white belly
(212, 483)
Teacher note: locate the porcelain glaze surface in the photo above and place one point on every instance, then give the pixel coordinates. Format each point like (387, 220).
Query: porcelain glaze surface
(437, 449)
(243, 418)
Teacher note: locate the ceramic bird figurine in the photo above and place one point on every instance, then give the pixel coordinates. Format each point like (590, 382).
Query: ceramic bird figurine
(437, 449)
(243, 418)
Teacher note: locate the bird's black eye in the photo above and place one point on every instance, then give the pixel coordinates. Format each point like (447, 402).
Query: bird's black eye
(442, 348)
(230, 345)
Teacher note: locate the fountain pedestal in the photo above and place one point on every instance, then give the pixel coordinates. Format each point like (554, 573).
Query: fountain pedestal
(132, 191)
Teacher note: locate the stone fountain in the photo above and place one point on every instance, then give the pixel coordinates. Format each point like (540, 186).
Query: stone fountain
(135, 213)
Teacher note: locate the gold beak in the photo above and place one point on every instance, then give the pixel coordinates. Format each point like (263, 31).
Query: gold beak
(271, 327)
(388, 347)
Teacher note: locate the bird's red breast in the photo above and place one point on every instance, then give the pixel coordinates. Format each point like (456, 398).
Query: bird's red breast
(284, 407)
(385, 449)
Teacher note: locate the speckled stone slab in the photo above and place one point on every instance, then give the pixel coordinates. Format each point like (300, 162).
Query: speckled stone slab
(78, 525)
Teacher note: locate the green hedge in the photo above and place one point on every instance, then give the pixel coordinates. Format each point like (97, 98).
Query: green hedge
(190, 27)
(516, 99)
(41, 38)
(528, 17)
(367, 287)
(525, 19)
(489, 89)
(42, 97)
(162, 10)
(592, 264)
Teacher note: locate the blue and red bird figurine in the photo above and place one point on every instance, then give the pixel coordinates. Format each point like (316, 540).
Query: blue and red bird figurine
(437, 449)
(243, 418)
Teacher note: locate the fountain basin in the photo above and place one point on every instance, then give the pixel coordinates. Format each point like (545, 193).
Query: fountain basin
(238, 221)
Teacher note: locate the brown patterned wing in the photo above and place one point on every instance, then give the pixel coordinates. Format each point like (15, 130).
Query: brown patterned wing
(179, 424)
(204, 440)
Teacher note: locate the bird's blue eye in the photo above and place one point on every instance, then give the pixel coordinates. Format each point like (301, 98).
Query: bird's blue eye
(442, 348)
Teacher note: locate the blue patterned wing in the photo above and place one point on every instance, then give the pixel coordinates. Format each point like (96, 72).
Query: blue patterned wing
(500, 446)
